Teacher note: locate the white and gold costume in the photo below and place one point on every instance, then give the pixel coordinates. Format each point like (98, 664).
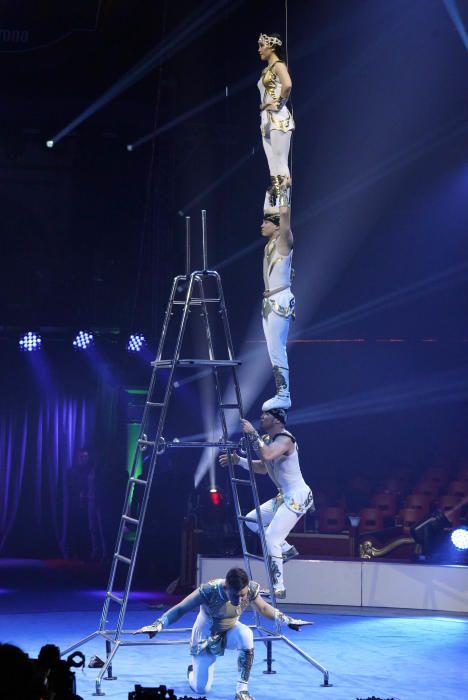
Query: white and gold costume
(276, 128)
(277, 312)
(280, 514)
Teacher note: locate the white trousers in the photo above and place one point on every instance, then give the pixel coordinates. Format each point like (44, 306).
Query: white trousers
(276, 330)
(278, 524)
(276, 146)
(238, 637)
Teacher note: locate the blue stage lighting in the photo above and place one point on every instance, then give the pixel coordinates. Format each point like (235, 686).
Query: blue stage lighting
(136, 342)
(459, 538)
(30, 342)
(83, 340)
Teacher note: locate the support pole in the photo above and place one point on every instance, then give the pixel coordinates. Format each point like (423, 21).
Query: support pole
(110, 676)
(269, 658)
(205, 249)
(187, 246)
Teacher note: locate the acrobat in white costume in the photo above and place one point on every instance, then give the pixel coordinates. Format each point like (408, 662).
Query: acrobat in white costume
(280, 514)
(278, 305)
(276, 121)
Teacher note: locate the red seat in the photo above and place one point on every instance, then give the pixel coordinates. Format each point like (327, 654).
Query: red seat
(407, 517)
(419, 502)
(427, 487)
(371, 519)
(439, 476)
(385, 502)
(458, 489)
(331, 519)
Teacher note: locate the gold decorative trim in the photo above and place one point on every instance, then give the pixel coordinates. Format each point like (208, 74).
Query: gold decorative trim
(368, 551)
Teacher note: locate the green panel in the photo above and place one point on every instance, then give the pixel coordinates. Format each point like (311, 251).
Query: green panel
(133, 430)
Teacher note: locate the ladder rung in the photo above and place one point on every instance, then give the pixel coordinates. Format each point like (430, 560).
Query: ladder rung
(196, 363)
(245, 519)
(115, 598)
(244, 482)
(230, 405)
(188, 443)
(148, 443)
(153, 404)
(125, 560)
(254, 556)
(134, 480)
(181, 302)
(128, 519)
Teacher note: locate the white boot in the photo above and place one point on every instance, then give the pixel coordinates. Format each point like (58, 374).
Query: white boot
(283, 397)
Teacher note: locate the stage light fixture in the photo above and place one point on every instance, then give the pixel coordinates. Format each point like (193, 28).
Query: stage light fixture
(215, 496)
(136, 342)
(83, 340)
(30, 342)
(428, 533)
(50, 144)
(459, 538)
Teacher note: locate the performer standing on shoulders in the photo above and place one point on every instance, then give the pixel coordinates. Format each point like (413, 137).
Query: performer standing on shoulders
(278, 300)
(279, 459)
(276, 121)
(217, 627)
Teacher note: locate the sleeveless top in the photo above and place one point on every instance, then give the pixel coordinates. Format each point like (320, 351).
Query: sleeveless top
(277, 268)
(269, 86)
(286, 474)
(277, 274)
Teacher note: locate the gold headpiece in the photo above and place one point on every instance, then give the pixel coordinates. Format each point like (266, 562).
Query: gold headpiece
(269, 40)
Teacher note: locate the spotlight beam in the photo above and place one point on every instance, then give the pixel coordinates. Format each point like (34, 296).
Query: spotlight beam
(218, 97)
(386, 167)
(441, 280)
(227, 174)
(198, 23)
(455, 16)
(443, 387)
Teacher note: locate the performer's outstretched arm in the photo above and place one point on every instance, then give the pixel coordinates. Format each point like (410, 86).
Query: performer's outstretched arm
(272, 613)
(172, 615)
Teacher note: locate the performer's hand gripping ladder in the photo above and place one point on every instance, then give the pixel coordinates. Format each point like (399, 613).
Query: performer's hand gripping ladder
(193, 286)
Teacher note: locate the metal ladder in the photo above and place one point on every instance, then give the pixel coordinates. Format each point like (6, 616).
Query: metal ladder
(192, 286)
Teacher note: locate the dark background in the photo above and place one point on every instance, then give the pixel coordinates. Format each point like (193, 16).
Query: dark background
(92, 233)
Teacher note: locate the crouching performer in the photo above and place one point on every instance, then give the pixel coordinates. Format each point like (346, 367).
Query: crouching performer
(217, 627)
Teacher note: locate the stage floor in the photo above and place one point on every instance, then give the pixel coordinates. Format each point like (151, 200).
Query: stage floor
(404, 655)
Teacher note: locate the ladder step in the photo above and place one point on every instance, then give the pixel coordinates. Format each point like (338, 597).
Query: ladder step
(189, 443)
(153, 404)
(254, 556)
(147, 443)
(244, 482)
(134, 480)
(230, 405)
(195, 302)
(128, 519)
(196, 363)
(123, 559)
(245, 519)
(115, 598)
